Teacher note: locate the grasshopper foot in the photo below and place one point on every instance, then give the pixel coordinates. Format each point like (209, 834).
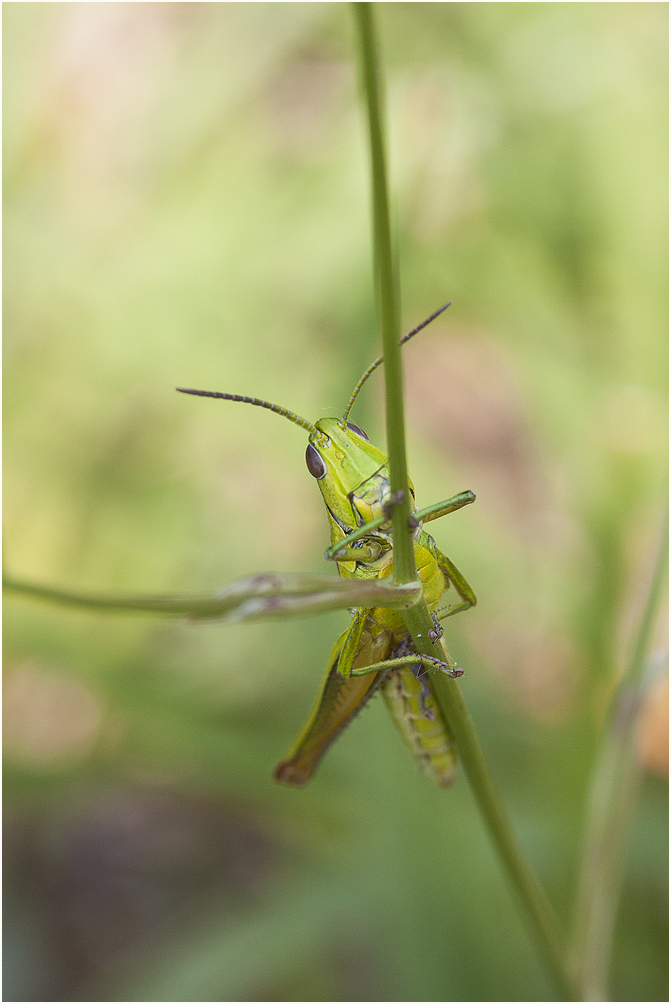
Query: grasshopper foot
(436, 631)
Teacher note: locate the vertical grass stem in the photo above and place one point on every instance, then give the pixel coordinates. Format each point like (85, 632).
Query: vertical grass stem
(542, 919)
(386, 289)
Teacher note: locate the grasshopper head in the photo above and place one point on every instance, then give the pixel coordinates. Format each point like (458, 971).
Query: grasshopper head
(348, 470)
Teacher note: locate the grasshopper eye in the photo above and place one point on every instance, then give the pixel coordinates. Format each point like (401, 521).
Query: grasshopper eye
(355, 428)
(315, 462)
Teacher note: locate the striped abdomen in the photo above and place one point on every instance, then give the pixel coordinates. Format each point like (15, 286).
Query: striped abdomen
(420, 721)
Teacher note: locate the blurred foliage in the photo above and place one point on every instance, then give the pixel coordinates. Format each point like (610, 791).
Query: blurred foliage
(186, 203)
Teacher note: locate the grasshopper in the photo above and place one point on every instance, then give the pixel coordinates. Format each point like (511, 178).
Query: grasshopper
(375, 653)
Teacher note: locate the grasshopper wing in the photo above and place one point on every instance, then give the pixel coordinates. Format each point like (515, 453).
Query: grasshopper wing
(338, 702)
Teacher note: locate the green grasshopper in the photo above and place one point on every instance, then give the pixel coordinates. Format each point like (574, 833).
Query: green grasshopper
(375, 652)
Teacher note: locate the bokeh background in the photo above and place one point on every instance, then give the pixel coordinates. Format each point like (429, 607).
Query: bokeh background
(186, 203)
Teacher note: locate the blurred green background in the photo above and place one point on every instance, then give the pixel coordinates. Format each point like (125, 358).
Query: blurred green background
(186, 203)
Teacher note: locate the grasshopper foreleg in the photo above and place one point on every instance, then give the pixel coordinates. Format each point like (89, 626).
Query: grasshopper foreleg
(343, 550)
(396, 499)
(443, 508)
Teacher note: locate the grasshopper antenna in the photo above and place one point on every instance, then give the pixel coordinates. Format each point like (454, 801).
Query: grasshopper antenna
(380, 359)
(278, 409)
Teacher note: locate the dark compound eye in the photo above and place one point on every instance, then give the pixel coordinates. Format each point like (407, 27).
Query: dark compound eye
(315, 462)
(359, 432)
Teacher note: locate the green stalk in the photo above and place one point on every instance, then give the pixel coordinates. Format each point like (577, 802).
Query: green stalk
(386, 291)
(418, 620)
(611, 806)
